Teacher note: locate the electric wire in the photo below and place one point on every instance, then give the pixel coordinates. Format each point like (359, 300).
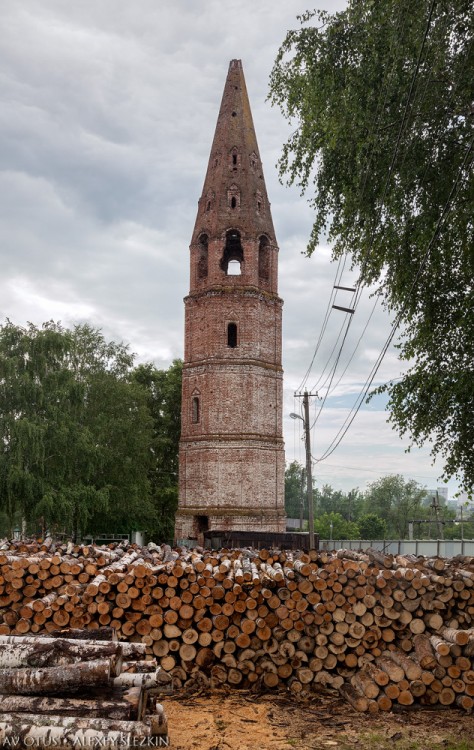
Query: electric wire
(369, 381)
(332, 296)
(380, 108)
(358, 292)
(439, 130)
(426, 85)
(355, 409)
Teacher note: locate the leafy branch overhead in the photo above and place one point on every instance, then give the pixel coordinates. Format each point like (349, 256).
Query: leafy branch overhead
(381, 95)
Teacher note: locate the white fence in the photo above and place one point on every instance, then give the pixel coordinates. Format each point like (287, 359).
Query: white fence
(424, 547)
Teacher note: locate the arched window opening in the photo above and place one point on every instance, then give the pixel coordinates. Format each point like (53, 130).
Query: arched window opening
(233, 196)
(264, 258)
(234, 158)
(203, 256)
(195, 416)
(232, 335)
(209, 199)
(233, 255)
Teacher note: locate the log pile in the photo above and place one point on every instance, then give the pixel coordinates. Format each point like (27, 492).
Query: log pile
(385, 631)
(69, 692)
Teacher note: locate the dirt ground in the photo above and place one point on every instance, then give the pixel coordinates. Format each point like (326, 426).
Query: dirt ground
(244, 721)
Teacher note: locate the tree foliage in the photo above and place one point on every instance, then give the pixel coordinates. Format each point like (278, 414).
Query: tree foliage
(334, 526)
(163, 389)
(371, 526)
(295, 491)
(78, 434)
(382, 96)
(397, 502)
(348, 504)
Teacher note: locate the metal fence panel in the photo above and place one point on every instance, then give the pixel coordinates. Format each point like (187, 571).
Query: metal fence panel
(419, 547)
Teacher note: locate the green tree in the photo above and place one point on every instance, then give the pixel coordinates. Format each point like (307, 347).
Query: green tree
(334, 526)
(381, 94)
(75, 431)
(372, 526)
(163, 389)
(348, 505)
(295, 490)
(396, 501)
(455, 529)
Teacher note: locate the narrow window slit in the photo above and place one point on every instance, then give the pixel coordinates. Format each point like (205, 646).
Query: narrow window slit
(232, 335)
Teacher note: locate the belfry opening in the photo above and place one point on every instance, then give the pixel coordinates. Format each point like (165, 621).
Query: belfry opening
(233, 254)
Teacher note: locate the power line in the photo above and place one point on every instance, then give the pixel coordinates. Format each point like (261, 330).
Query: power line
(358, 292)
(357, 295)
(343, 430)
(380, 109)
(332, 296)
(378, 471)
(356, 298)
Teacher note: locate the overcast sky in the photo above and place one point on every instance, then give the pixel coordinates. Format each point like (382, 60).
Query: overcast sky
(108, 109)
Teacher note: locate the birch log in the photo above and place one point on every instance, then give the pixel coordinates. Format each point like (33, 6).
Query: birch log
(87, 707)
(79, 647)
(40, 730)
(25, 681)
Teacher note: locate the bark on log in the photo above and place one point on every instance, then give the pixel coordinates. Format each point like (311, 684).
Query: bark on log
(49, 680)
(88, 707)
(44, 730)
(158, 679)
(354, 697)
(104, 633)
(80, 647)
(43, 653)
(394, 671)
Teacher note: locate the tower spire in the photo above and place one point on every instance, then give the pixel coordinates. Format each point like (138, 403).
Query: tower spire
(234, 188)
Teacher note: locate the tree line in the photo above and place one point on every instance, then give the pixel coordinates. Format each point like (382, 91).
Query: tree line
(89, 440)
(383, 511)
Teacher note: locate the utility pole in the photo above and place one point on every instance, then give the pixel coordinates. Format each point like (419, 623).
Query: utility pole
(439, 523)
(309, 476)
(302, 498)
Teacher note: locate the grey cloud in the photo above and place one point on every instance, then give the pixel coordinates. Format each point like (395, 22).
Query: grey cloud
(108, 112)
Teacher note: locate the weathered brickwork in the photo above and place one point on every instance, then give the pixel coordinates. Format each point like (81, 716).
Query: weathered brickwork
(235, 399)
(258, 323)
(231, 450)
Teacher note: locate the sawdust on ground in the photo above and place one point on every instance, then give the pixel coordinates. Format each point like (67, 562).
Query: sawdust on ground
(245, 721)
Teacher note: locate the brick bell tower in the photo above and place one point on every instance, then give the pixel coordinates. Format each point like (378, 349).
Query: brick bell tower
(231, 465)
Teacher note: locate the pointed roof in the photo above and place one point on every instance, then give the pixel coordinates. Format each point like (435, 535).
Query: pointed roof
(234, 193)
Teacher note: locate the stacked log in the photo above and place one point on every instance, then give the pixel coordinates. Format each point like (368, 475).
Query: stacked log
(65, 691)
(386, 631)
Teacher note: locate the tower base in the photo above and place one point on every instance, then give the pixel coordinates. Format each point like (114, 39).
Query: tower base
(191, 523)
